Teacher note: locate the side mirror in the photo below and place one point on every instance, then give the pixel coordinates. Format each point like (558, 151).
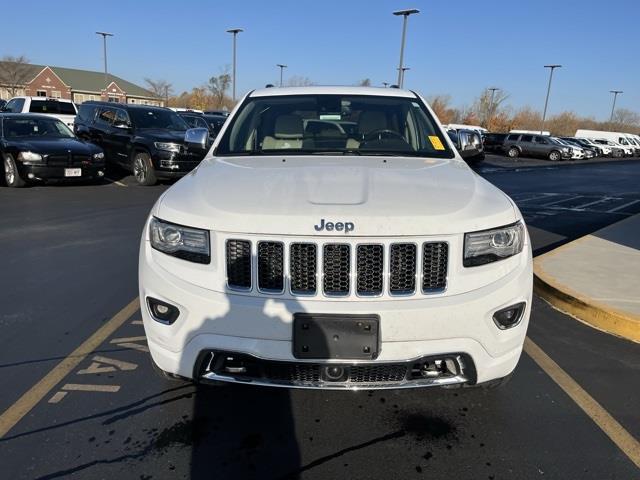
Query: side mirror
(196, 138)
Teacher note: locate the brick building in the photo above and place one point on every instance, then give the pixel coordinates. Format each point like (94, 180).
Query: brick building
(70, 83)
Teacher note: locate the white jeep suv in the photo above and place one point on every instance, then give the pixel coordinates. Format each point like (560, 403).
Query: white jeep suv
(365, 256)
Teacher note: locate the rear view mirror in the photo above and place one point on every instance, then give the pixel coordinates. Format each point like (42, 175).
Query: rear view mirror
(196, 137)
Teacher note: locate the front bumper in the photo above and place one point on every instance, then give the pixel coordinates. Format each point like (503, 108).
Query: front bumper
(410, 329)
(174, 165)
(47, 172)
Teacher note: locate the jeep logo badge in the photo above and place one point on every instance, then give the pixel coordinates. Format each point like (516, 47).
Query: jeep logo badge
(345, 227)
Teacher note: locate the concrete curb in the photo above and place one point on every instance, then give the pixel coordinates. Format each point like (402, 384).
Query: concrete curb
(598, 315)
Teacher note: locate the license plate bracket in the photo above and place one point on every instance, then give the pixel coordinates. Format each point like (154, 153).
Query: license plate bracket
(336, 336)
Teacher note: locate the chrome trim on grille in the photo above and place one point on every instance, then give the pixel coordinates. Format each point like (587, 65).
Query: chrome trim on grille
(407, 293)
(349, 269)
(251, 267)
(269, 291)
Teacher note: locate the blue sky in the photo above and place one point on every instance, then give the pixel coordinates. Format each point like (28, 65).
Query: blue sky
(456, 48)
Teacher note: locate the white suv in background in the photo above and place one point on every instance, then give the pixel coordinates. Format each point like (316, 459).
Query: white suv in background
(60, 108)
(367, 256)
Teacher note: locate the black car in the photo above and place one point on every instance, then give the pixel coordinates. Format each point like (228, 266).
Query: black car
(493, 142)
(148, 141)
(40, 147)
(589, 150)
(213, 123)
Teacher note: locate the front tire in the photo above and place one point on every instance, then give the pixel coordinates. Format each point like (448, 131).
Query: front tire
(11, 173)
(513, 152)
(555, 156)
(143, 170)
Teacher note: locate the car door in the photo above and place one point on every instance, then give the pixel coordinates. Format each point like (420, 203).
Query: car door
(526, 144)
(102, 127)
(540, 146)
(120, 135)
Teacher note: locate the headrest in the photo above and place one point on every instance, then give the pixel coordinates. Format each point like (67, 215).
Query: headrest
(288, 126)
(372, 120)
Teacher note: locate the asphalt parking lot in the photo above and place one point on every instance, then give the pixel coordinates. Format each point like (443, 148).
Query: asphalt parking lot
(69, 283)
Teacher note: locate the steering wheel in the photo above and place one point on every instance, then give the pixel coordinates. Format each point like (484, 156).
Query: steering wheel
(381, 133)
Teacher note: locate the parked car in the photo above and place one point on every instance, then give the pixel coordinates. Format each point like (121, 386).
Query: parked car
(386, 253)
(600, 150)
(213, 123)
(588, 151)
(541, 146)
(577, 152)
(493, 142)
(39, 148)
(224, 113)
(618, 139)
(469, 145)
(60, 108)
(617, 150)
(149, 141)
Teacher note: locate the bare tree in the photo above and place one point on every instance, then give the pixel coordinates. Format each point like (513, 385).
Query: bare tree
(485, 108)
(15, 72)
(365, 82)
(219, 85)
(622, 116)
(160, 88)
(298, 81)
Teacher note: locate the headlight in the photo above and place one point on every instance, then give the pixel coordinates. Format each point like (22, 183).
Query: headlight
(187, 243)
(98, 156)
(169, 147)
(491, 245)
(29, 156)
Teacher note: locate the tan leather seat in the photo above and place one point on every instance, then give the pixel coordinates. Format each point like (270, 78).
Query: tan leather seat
(288, 133)
(369, 121)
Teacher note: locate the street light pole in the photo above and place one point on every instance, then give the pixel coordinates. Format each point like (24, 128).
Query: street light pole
(493, 91)
(405, 14)
(104, 48)
(235, 32)
(613, 107)
(282, 67)
(546, 101)
(404, 69)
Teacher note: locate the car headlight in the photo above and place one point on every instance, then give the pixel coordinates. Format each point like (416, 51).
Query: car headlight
(492, 245)
(29, 157)
(98, 156)
(187, 243)
(169, 147)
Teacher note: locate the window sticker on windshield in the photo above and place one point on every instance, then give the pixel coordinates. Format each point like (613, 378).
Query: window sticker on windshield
(435, 141)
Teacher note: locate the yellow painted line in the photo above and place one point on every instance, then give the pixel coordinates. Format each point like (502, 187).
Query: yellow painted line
(35, 394)
(609, 425)
(134, 346)
(85, 387)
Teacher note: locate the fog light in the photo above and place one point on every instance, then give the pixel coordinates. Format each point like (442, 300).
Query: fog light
(162, 311)
(31, 176)
(100, 173)
(509, 317)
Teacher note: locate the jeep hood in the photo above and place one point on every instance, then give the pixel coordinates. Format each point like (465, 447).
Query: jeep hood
(381, 196)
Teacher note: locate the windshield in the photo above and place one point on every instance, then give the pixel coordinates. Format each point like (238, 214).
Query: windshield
(52, 106)
(35, 128)
(330, 124)
(157, 118)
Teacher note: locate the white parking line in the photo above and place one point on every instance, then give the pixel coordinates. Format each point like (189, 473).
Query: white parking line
(537, 196)
(115, 181)
(585, 205)
(623, 206)
(556, 202)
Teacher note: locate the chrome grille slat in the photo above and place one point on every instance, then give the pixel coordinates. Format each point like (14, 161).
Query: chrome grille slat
(435, 257)
(271, 266)
(303, 268)
(402, 268)
(336, 269)
(239, 264)
(369, 269)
